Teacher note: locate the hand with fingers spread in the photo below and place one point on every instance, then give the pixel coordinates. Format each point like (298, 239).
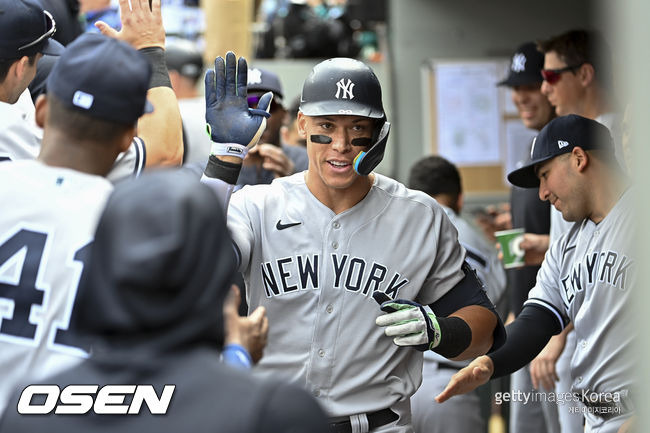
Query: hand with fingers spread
(142, 26)
(250, 332)
(468, 379)
(233, 127)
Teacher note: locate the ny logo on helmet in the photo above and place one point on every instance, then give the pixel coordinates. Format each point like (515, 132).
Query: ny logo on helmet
(345, 88)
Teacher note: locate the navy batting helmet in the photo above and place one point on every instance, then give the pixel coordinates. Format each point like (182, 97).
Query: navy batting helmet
(343, 86)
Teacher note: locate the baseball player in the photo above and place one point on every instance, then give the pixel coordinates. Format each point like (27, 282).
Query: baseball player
(551, 368)
(164, 327)
(317, 246)
(96, 96)
(157, 143)
(586, 277)
(440, 178)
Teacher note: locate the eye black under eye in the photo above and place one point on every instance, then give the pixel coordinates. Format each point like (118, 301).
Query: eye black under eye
(361, 141)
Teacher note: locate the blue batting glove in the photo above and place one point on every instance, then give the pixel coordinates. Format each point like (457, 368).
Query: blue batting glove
(233, 127)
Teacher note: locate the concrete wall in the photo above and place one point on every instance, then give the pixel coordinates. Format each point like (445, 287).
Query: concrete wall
(461, 29)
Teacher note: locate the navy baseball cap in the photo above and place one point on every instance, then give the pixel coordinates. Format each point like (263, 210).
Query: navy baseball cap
(525, 67)
(560, 136)
(102, 77)
(26, 29)
(263, 81)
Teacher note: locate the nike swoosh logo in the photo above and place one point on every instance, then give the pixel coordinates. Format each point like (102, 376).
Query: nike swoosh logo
(281, 226)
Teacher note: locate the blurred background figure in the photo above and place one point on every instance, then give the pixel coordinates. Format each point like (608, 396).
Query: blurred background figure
(271, 158)
(289, 130)
(92, 11)
(319, 29)
(185, 65)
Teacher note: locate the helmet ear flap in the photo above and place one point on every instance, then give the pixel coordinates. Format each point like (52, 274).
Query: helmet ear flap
(365, 162)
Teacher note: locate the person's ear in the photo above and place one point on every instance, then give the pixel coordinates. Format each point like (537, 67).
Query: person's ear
(41, 108)
(460, 202)
(302, 123)
(580, 159)
(586, 74)
(21, 66)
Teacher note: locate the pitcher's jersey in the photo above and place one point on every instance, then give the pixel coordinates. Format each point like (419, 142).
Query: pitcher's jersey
(315, 272)
(47, 222)
(587, 277)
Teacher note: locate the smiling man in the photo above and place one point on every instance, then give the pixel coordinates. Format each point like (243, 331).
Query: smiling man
(316, 247)
(587, 276)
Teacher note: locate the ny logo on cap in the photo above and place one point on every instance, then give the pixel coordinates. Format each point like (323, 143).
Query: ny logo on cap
(254, 76)
(346, 88)
(561, 144)
(518, 62)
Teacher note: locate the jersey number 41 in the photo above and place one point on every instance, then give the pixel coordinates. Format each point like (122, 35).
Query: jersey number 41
(23, 290)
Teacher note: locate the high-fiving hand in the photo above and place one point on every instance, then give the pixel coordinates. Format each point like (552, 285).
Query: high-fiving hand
(233, 127)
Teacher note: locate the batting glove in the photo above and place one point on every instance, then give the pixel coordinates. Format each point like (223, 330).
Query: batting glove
(232, 126)
(410, 324)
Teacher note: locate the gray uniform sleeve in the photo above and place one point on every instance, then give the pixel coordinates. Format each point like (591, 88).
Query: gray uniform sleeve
(546, 292)
(240, 226)
(446, 270)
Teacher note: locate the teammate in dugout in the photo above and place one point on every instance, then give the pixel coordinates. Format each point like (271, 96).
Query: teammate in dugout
(587, 276)
(317, 246)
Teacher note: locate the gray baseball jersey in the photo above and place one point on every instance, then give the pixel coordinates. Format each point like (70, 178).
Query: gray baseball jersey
(315, 273)
(48, 219)
(587, 277)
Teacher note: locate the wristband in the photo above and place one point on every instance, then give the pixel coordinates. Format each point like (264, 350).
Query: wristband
(159, 72)
(236, 356)
(455, 336)
(222, 170)
(229, 149)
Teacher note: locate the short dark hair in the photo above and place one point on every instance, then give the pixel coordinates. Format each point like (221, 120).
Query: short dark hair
(577, 47)
(435, 175)
(5, 64)
(80, 126)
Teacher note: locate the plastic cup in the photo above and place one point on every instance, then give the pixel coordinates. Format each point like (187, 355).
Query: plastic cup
(513, 255)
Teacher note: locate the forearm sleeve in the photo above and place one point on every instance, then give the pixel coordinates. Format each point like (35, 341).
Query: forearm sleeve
(526, 337)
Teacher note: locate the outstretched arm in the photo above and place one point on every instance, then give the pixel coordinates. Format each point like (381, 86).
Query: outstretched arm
(161, 130)
(234, 128)
(527, 335)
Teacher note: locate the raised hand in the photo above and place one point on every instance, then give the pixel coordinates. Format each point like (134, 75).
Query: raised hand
(142, 26)
(229, 120)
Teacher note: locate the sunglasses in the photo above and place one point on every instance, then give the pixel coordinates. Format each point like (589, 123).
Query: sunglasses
(552, 76)
(47, 34)
(253, 100)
